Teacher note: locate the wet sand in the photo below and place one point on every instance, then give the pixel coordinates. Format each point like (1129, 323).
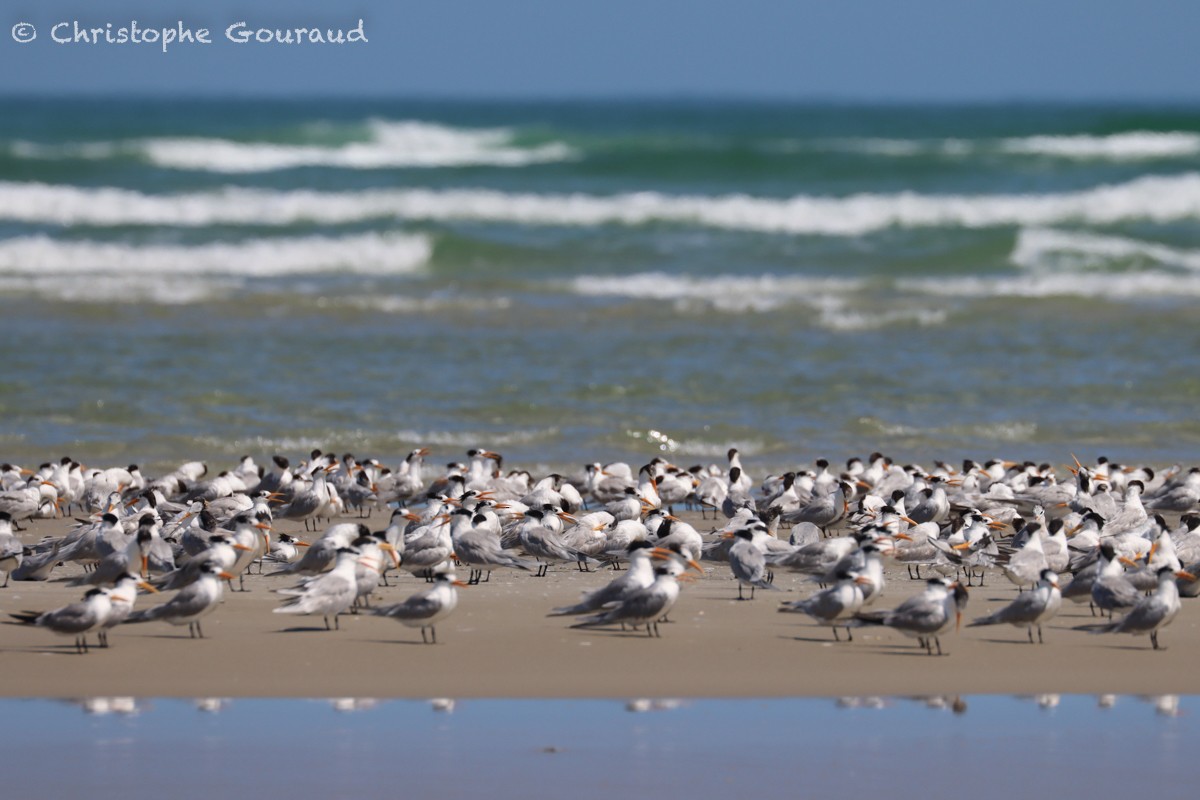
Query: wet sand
(499, 643)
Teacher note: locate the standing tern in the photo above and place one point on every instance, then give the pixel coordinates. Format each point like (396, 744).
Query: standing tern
(1152, 613)
(835, 605)
(748, 562)
(77, 619)
(427, 607)
(645, 606)
(122, 596)
(329, 593)
(192, 602)
(12, 552)
(1030, 609)
(927, 615)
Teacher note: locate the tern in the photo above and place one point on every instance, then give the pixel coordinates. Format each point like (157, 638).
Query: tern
(927, 615)
(1031, 608)
(329, 593)
(835, 605)
(748, 562)
(477, 546)
(122, 595)
(77, 619)
(427, 607)
(12, 552)
(192, 602)
(1152, 613)
(645, 606)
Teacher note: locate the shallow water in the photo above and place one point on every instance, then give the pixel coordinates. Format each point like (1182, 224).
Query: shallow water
(567, 281)
(979, 746)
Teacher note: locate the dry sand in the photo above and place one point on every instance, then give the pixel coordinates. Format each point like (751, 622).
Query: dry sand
(499, 643)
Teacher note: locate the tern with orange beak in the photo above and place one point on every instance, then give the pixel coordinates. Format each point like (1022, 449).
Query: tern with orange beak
(190, 604)
(646, 606)
(748, 561)
(835, 605)
(122, 597)
(76, 619)
(427, 607)
(926, 616)
(330, 593)
(1152, 613)
(1030, 609)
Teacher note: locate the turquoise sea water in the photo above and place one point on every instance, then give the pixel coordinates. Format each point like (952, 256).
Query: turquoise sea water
(569, 282)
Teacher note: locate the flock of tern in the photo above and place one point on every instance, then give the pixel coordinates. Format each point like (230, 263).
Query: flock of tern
(1100, 536)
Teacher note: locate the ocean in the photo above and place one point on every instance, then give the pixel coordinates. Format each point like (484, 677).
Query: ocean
(572, 282)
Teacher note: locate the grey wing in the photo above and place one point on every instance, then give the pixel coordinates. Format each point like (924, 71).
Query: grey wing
(916, 614)
(416, 607)
(1025, 608)
(10, 546)
(73, 618)
(189, 601)
(822, 605)
(642, 605)
(749, 564)
(1145, 616)
(1120, 593)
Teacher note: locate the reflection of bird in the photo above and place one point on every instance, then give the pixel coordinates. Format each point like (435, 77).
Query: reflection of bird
(1030, 609)
(427, 607)
(77, 619)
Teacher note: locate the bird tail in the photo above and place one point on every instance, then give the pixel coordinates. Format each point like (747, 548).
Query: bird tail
(990, 619)
(291, 608)
(569, 611)
(797, 606)
(26, 617)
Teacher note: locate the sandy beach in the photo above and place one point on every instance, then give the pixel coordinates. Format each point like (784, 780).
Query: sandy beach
(499, 643)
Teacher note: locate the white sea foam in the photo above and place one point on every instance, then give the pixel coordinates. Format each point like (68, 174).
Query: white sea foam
(1127, 146)
(1106, 286)
(476, 439)
(111, 289)
(835, 313)
(1160, 199)
(829, 300)
(730, 293)
(402, 304)
(374, 253)
(360, 439)
(391, 144)
(1045, 248)
(1013, 431)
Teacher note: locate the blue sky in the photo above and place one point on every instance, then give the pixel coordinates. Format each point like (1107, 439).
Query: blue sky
(937, 50)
